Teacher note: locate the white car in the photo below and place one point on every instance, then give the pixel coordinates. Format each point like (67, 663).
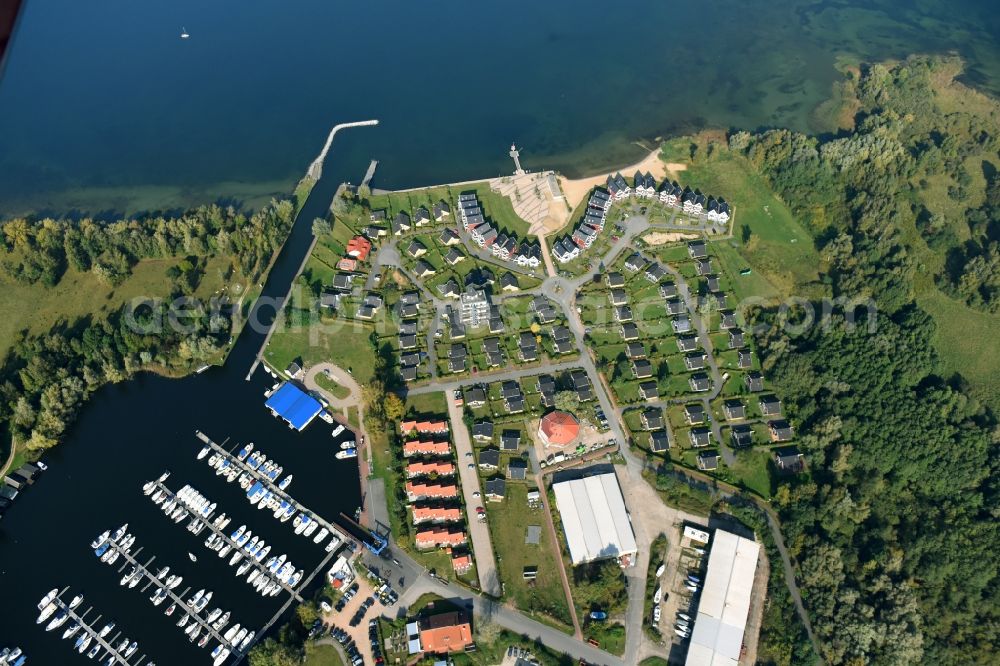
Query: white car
(327, 608)
(656, 613)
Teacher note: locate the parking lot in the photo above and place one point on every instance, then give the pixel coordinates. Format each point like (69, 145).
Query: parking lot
(351, 620)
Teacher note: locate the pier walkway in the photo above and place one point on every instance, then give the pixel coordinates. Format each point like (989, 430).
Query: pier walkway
(171, 595)
(316, 168)
(366, 181)
(259, 566)
(335, 532)
(88, 626)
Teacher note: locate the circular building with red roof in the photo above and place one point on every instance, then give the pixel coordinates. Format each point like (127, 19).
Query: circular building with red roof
(558, 429)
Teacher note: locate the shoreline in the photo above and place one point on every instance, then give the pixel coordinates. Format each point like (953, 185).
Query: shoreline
(573, 189)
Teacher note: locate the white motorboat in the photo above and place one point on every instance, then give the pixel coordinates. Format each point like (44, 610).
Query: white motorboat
(196, 598)
(84, 643)
(232, 631)
(107, 629)
(215, 613)
(133, 646)
(170, 610)
(184, 620)
(285, 482)
(119, 532)
(50, 597)
(323, 533)
(339, 429)
(46, 613)
(57, 621)
(204, 452)
(101, 538)
(246, 641)
(310, 528)
(193, 636)
(660, 570)
(76, 601)
(71, 629)
(221, 658)
(162, 573)
(221, 622)
(243, 568)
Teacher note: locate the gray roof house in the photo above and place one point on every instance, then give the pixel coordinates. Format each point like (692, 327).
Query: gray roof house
(482, 431)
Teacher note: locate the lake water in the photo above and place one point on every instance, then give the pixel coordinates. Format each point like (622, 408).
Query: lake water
(104, 108)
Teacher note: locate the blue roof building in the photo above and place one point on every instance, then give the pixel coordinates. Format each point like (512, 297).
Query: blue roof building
(293, 405)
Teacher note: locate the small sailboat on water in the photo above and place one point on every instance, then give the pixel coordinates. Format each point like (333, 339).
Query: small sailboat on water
(184, 33)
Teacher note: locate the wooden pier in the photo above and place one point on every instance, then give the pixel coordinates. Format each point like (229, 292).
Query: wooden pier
(366, 181)
(176, 598)
(335, 532)
(88, 628)
(259, 566)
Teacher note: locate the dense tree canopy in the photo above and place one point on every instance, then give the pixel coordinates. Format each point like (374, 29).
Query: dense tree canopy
(45, 379)
(895, 523)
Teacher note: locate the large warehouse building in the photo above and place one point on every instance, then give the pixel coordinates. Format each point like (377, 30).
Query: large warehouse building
(594, 518)
(717, 639)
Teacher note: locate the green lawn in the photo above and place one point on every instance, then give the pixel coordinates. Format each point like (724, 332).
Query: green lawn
(341, 342)
(322, 655)
(332, 387)
(508, 522)
(427, 403)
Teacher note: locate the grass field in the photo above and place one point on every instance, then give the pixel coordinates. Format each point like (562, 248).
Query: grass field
(780, 250)
(509, 521)
(37, 308)
(961, 343)
(322, 655)
(331, 387)
(343, 343)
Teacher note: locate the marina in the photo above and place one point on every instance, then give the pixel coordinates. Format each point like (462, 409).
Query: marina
(164, 592)
(90, 640)
(273, 487)
(219, 534)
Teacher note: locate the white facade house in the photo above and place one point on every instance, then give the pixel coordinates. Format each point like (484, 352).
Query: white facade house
(594, 518)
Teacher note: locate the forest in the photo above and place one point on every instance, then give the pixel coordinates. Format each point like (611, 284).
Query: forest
(894, 525)
(45, 379)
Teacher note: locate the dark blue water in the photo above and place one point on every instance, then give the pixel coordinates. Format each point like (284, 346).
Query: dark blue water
(104, 108)
(131, 433)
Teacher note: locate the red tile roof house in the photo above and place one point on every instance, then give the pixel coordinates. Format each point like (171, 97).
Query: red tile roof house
(415, 448)
(428, 514)
(440, 468)
(416, 490)
(425, 427)
(439, 536)
(461, 563)
(359, 247)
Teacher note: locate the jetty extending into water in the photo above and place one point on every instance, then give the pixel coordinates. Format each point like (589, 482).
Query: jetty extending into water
(221, 533)
(88, 627)
(316, 168)
(335, 532)
(173, 596)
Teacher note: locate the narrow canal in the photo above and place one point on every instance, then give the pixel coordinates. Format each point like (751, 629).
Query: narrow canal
(131, 433)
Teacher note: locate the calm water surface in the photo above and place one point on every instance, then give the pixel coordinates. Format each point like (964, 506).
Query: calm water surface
(104, 108)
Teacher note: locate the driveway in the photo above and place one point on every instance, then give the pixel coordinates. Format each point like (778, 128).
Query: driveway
(479, 533)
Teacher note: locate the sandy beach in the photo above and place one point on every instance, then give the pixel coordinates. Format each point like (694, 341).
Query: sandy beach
(576, 189)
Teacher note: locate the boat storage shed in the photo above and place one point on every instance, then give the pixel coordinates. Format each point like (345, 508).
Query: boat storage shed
(717, 639)
(594, 518)
(293, 405)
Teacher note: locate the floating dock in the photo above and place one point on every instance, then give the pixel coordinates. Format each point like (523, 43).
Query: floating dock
(335, 532)
(207, 522)
(88, 627)
(171, 595)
